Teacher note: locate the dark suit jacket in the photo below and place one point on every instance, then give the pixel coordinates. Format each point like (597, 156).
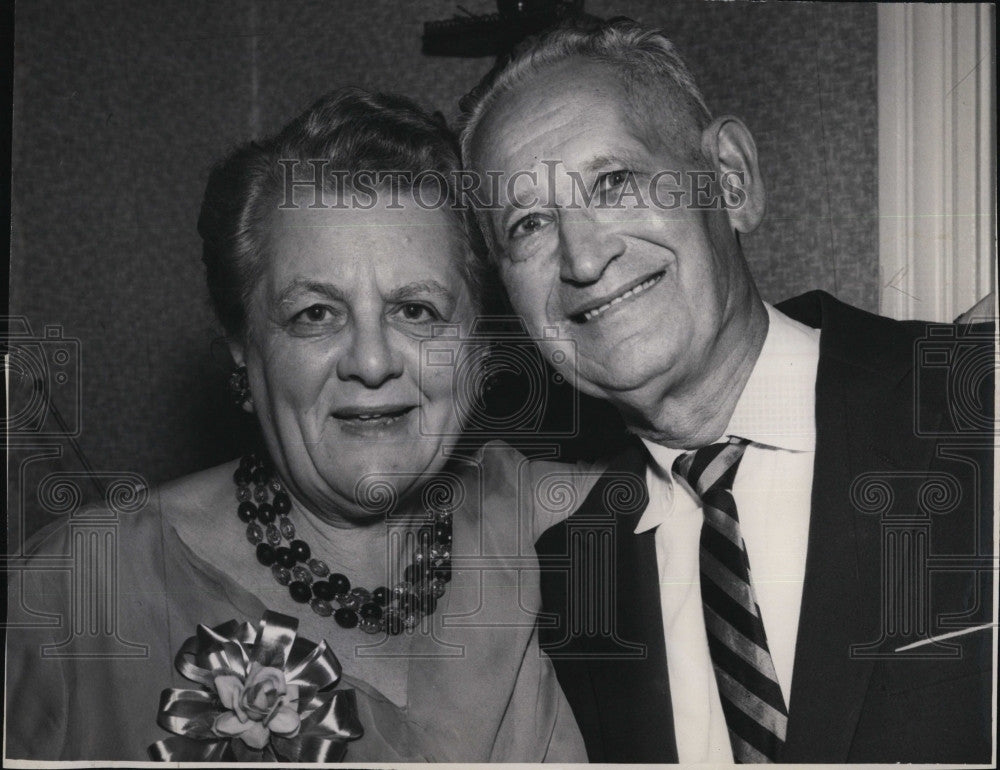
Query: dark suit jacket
(899, 551)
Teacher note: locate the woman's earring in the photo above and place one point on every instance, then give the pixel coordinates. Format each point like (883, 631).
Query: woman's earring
(239, 387)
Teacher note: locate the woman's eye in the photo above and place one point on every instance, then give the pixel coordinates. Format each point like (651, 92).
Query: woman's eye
(315, 314)
(417, 312)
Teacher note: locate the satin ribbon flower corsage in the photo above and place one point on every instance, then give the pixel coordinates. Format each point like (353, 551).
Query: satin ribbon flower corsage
(265, 696)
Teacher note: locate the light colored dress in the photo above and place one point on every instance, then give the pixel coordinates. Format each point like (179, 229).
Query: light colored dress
(84, 675)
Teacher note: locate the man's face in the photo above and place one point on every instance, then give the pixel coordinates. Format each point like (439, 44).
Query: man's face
(642, 288)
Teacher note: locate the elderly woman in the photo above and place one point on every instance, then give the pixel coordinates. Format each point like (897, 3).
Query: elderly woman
(355, 524)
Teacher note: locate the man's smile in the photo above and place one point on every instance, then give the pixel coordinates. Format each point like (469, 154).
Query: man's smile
(596, 308)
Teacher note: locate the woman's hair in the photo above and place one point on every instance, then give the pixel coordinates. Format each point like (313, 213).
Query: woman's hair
(347, 135)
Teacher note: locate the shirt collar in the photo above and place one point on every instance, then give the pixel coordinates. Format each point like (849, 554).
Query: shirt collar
(777, 407)
(778, 404)
(662, 490)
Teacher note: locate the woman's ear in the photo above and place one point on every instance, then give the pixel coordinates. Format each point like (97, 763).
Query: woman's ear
(239, 383)
(728, 144)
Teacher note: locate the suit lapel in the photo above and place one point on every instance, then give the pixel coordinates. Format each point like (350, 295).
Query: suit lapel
(628, 717)
(862, 393)
(828, 686)
(637, 714)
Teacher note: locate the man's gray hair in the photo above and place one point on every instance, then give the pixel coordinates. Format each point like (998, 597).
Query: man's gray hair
(651, 69)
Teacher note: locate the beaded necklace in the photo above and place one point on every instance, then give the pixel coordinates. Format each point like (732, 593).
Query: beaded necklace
(265, 509)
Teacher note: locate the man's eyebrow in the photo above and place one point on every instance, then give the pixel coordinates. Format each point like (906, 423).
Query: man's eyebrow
(617, 160)
(301, 286)
(416, 288)
(600, 161)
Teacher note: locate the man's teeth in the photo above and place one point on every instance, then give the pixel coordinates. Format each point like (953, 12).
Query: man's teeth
(630, 293)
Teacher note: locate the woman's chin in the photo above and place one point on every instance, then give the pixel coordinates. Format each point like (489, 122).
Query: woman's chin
(374, 484)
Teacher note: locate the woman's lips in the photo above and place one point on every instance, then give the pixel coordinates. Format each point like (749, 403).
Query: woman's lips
(371, 417)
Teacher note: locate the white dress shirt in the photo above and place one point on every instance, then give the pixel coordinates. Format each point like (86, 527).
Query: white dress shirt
(777, 413)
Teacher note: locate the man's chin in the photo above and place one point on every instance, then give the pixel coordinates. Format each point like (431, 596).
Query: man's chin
(639, 399)
(623, 383)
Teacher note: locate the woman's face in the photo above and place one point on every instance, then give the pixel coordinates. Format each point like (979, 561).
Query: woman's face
(338, 327)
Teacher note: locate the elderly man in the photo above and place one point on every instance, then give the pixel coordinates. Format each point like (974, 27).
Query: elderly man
(806, 440)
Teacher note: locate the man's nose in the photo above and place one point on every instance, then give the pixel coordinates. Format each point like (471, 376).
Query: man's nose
(588, 246)
(371, 358)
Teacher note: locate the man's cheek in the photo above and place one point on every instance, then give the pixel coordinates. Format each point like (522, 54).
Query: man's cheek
(518, 290)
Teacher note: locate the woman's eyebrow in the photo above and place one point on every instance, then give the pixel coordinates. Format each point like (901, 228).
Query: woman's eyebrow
(301, 286)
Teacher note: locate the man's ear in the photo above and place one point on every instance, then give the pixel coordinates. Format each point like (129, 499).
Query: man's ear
(728, 144)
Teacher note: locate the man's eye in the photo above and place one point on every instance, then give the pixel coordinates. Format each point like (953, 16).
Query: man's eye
(613, 179)
(528, 225)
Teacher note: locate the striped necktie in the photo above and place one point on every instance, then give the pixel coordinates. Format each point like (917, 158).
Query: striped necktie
(748, 686)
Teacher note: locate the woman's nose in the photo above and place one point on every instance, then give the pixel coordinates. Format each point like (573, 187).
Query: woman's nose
(370, 358)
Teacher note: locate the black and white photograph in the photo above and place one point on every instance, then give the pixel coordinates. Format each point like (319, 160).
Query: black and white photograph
(529, 381)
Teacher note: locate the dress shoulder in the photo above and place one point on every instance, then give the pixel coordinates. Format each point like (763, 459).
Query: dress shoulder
(547, 489)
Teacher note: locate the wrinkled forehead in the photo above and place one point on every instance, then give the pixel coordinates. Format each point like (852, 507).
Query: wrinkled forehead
(542, 144)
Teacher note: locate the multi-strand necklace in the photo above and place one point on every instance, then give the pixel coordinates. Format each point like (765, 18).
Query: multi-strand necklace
(264, 506)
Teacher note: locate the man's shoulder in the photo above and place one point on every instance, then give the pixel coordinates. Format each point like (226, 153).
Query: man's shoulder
(823, 311)
(897, 392)
(885, 347)
(820, 309)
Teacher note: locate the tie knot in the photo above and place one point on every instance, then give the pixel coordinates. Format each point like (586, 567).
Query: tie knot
(711, 467)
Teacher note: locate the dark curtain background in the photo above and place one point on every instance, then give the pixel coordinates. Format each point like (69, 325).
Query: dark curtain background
(120, 108)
